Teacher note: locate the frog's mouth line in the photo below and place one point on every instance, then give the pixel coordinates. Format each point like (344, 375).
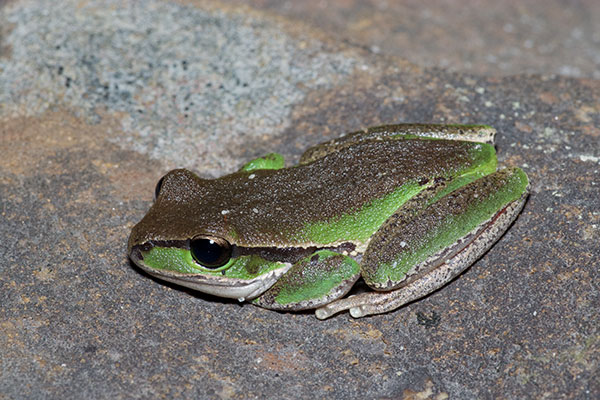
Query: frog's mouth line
(233, 288)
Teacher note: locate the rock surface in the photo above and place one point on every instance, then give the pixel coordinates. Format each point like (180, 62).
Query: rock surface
(99, 99)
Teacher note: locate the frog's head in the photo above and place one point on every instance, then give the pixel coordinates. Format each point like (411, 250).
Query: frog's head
(185, 238)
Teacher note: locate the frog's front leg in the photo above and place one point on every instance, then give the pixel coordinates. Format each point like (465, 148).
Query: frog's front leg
(416, 253)
(313, 281)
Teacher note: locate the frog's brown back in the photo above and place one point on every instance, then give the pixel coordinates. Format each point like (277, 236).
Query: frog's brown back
(269, 207)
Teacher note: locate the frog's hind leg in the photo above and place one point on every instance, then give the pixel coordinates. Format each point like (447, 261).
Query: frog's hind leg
(411, 257)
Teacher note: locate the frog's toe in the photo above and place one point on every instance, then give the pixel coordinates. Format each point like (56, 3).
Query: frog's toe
(358, 312)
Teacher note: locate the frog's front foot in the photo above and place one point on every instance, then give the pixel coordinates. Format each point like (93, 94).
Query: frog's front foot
(355, 304)
(359, 305)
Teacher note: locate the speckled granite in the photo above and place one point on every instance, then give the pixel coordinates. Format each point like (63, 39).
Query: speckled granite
(99, 99)
(477, 36)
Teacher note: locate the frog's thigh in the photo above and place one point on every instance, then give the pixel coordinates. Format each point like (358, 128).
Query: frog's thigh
(313, 281)
(408, 259)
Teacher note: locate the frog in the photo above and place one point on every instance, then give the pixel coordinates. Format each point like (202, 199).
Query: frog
(397, 210)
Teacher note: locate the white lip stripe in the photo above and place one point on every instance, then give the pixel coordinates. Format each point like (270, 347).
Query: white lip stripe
(232, 288)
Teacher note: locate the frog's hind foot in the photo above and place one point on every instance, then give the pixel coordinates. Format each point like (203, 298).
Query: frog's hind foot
(371, 303)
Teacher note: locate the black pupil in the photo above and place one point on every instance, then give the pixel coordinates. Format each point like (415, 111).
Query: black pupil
(210, 253)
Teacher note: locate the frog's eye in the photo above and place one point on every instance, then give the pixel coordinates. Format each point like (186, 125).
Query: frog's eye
(158, 187)
(210, 252)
